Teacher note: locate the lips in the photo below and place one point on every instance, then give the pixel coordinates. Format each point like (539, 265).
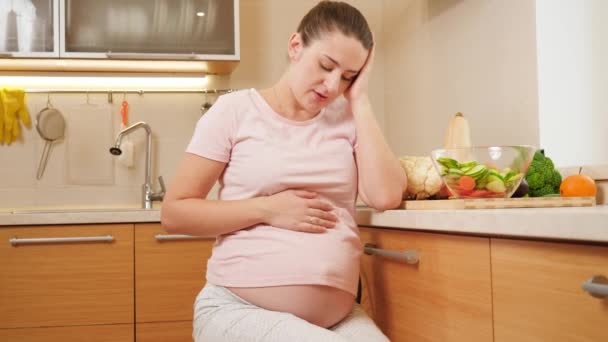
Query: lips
(319, 97)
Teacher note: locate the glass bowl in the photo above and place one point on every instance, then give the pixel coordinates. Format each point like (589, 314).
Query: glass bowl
(483, 171)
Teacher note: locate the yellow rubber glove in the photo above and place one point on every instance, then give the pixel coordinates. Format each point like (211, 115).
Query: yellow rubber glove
(14, 107)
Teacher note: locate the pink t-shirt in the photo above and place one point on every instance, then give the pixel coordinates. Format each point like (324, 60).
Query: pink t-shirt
(267, 153)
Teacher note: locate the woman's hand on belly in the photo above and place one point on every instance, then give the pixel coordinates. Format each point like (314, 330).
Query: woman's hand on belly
(320, 305)
(298, 210)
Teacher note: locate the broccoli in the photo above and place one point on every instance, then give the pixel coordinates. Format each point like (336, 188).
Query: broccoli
(542, 177)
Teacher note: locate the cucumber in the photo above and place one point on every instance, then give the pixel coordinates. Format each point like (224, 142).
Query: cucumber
(455, 171)
(467, 165)
(477, 171)
(496, 186)
(493, 178)
(493, 172)
(448, 162)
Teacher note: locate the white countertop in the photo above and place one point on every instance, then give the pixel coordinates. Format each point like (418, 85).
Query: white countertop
(78, 216)
(582, 224)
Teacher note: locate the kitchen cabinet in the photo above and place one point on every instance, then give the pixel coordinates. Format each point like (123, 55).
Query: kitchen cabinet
(93, 333)
(446, 296)
(537, 291)
(169, 273)
(178, 36)
(66, 276)
(29, 29)
(159, 29)
(109, 281)
(164, 331)
(532, 291)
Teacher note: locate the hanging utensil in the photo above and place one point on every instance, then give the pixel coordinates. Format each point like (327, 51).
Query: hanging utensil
(50, 124)
(126, 158)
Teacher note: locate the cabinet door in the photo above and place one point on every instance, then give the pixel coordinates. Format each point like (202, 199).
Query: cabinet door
(538, 295)
(169, 273)
(148, 29)
(29, 28)
(55, 283)
(445, 297)
(93, 333)
(164, 331)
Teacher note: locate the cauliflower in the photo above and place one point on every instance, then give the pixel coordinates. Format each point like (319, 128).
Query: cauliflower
(423, 181)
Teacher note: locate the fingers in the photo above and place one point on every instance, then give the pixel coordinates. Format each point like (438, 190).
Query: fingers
(305, 194)
(309, 228)
(324, 215)
(318, 204)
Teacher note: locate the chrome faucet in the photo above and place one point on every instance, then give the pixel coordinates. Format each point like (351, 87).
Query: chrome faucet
(147, 195)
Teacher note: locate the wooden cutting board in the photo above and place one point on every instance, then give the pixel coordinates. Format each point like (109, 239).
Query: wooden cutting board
(499, 203)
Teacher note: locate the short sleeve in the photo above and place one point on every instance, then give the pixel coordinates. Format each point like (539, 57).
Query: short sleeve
(214, 132)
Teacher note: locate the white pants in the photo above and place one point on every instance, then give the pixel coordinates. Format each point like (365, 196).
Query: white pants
(222, 316)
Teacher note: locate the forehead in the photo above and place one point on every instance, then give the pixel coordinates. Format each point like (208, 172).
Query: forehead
(347, 51)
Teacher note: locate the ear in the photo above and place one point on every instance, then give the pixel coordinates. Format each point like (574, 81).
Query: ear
(295, 45)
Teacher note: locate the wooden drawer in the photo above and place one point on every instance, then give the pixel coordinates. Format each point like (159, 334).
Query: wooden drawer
(93, 333)
(63, 284)
(163, 332)
(169, 274)
(445, 297)
(538, 294)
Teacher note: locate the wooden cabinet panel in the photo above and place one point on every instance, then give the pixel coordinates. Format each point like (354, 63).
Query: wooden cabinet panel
(169, 274)
(538, 295)
(165, 331)
(446, 297)
(62, 284)
(92, 333)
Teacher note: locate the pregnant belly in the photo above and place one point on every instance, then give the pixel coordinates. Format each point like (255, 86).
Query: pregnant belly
(320, 305)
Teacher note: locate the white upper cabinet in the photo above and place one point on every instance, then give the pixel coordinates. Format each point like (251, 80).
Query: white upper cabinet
(29, 28)
(150, 29)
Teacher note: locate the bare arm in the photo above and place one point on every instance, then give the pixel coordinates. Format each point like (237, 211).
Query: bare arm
(186, 210)
(381, 178)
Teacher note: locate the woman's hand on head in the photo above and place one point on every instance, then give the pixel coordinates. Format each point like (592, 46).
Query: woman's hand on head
(359, 88)
(298, 210)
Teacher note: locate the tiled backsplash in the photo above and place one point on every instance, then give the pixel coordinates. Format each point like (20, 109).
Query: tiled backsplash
(172, 118)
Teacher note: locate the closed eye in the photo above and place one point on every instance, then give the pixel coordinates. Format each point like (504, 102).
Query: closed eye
(326, 68)
(330, 69)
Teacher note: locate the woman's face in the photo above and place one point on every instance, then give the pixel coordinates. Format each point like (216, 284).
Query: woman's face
(323, 70)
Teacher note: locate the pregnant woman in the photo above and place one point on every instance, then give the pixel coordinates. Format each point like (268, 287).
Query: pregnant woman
(291, 160)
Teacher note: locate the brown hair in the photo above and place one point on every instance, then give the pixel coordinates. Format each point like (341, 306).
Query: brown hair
(327, 16)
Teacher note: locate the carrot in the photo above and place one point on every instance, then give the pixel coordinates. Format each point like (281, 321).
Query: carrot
(467, 183)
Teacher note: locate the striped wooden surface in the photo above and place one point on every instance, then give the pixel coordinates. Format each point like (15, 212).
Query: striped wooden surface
(499, 203)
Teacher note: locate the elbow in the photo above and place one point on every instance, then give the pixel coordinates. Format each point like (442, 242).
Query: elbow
(387, 203)
(167, 218)
(388, 200)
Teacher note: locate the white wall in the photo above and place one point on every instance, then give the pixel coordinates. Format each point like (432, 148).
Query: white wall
(445, 56)
(572, 40)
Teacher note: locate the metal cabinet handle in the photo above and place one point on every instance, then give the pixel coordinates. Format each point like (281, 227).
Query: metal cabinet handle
(597, 286)
(173, 237)
(31, 241)
(409, 256)
(168, 56)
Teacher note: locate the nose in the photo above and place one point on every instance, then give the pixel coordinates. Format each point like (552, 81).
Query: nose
(332, 83)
